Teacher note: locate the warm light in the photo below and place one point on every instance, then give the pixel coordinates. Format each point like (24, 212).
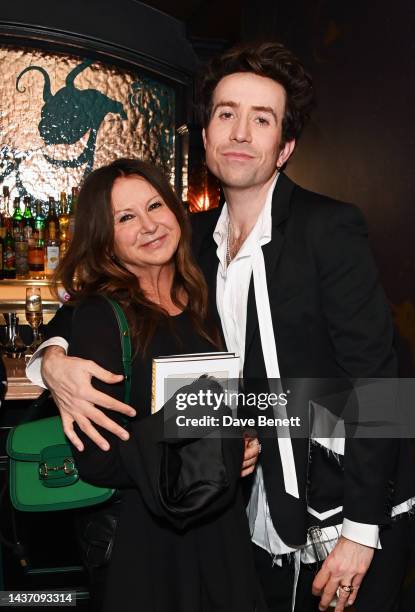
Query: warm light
(204, 191)
(200, 203)
(203, 203)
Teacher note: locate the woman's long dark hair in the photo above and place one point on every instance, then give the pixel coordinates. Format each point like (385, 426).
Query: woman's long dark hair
(89, 266)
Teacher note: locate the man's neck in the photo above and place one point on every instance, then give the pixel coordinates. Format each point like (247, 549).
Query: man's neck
(244, 207)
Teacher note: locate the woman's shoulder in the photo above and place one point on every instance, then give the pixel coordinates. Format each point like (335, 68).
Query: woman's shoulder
(95, 332)
(96, 308)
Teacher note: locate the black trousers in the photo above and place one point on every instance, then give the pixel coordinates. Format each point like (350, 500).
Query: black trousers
(382, 588)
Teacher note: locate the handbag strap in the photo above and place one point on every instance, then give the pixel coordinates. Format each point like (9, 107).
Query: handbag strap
(126, 349)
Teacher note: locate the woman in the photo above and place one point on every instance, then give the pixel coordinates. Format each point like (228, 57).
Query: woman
(132, 243)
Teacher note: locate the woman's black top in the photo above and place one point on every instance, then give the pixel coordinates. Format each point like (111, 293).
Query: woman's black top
(158, 563)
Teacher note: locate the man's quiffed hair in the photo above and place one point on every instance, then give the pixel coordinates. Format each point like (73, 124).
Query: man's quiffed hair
(270, 60)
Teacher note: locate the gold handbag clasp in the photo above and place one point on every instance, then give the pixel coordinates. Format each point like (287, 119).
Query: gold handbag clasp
(68, 468)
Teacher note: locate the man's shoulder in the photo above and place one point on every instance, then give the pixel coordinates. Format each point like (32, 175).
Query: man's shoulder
(203, 225)
(314, 207)
(203, 221)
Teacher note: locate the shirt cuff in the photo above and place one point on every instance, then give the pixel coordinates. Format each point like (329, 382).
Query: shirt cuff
(362, 533)
(33, 368)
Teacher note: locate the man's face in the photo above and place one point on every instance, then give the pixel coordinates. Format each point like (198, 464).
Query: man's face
(243, 138)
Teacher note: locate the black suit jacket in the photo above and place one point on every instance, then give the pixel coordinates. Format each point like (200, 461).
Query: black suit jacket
(331, 321)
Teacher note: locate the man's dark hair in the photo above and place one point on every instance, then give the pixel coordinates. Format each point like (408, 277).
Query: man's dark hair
(270, 60)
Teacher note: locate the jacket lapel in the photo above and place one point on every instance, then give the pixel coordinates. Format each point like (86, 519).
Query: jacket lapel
(280, 211)
(205, 250)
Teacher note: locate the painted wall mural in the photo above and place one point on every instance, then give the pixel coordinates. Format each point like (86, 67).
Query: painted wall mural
(61, 116)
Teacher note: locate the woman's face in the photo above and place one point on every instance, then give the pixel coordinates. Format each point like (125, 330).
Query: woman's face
(146, 231)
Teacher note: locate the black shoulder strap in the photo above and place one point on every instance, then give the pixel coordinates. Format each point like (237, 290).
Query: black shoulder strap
(125, 346)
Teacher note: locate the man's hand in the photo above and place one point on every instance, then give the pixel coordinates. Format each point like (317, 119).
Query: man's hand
(251, 454)
(346, 565)
(69, 380)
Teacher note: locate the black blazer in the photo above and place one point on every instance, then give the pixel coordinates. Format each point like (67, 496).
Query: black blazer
(331, 320)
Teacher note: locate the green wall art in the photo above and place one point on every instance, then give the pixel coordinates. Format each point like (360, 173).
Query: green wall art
(61, 116)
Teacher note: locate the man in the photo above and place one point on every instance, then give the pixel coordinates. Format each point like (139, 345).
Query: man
(298, 296)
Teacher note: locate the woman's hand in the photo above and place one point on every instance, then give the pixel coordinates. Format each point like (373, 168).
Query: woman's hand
(251, 454)
(69, 381)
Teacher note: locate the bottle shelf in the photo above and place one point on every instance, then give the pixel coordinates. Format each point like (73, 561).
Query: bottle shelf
(27, 282)
(13, 298)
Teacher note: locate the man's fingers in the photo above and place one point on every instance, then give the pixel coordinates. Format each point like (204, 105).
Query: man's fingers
(248, 464)
(343, 595)
(251, 453)
(104, 375)
(352, 597)
(106, 401)
(357, 581)
(252, 449)
(86, 424)
(329, 593)
(107, 423)
(320, 581)
(67, 423)
(89, 430)
(247, 471)
(69, 379)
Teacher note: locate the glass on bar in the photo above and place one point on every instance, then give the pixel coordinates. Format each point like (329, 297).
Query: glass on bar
(34, 315)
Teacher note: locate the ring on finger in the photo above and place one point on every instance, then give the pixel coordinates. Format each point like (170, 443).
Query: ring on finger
(344, 590)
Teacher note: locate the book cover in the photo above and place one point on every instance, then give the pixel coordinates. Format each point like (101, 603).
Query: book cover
(171, 373)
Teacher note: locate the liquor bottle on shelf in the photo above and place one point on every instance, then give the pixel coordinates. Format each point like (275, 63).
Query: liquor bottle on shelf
(52, 220)
(63, 224)
(51, 254)
(52, 240)
(36, 255)
(28, 220)
(72, 212)
(36, 259)
(21, 246)
(17, 218)
(39, 222)
(9, 254)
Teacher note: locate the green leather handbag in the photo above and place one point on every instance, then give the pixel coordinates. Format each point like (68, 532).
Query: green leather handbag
(42, 472)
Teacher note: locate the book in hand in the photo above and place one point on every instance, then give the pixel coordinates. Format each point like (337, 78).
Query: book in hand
(172, 372)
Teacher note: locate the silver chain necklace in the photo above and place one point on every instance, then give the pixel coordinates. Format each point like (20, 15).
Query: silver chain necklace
(228, 245)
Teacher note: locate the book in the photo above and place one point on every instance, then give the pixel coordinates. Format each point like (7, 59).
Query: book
(172, 372)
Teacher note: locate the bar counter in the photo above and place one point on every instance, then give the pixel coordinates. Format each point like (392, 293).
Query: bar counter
(18, 386)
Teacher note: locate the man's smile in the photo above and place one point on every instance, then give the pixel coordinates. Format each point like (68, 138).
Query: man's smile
(237, 156)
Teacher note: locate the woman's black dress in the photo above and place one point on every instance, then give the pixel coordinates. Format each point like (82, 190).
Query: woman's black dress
(157, 564)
